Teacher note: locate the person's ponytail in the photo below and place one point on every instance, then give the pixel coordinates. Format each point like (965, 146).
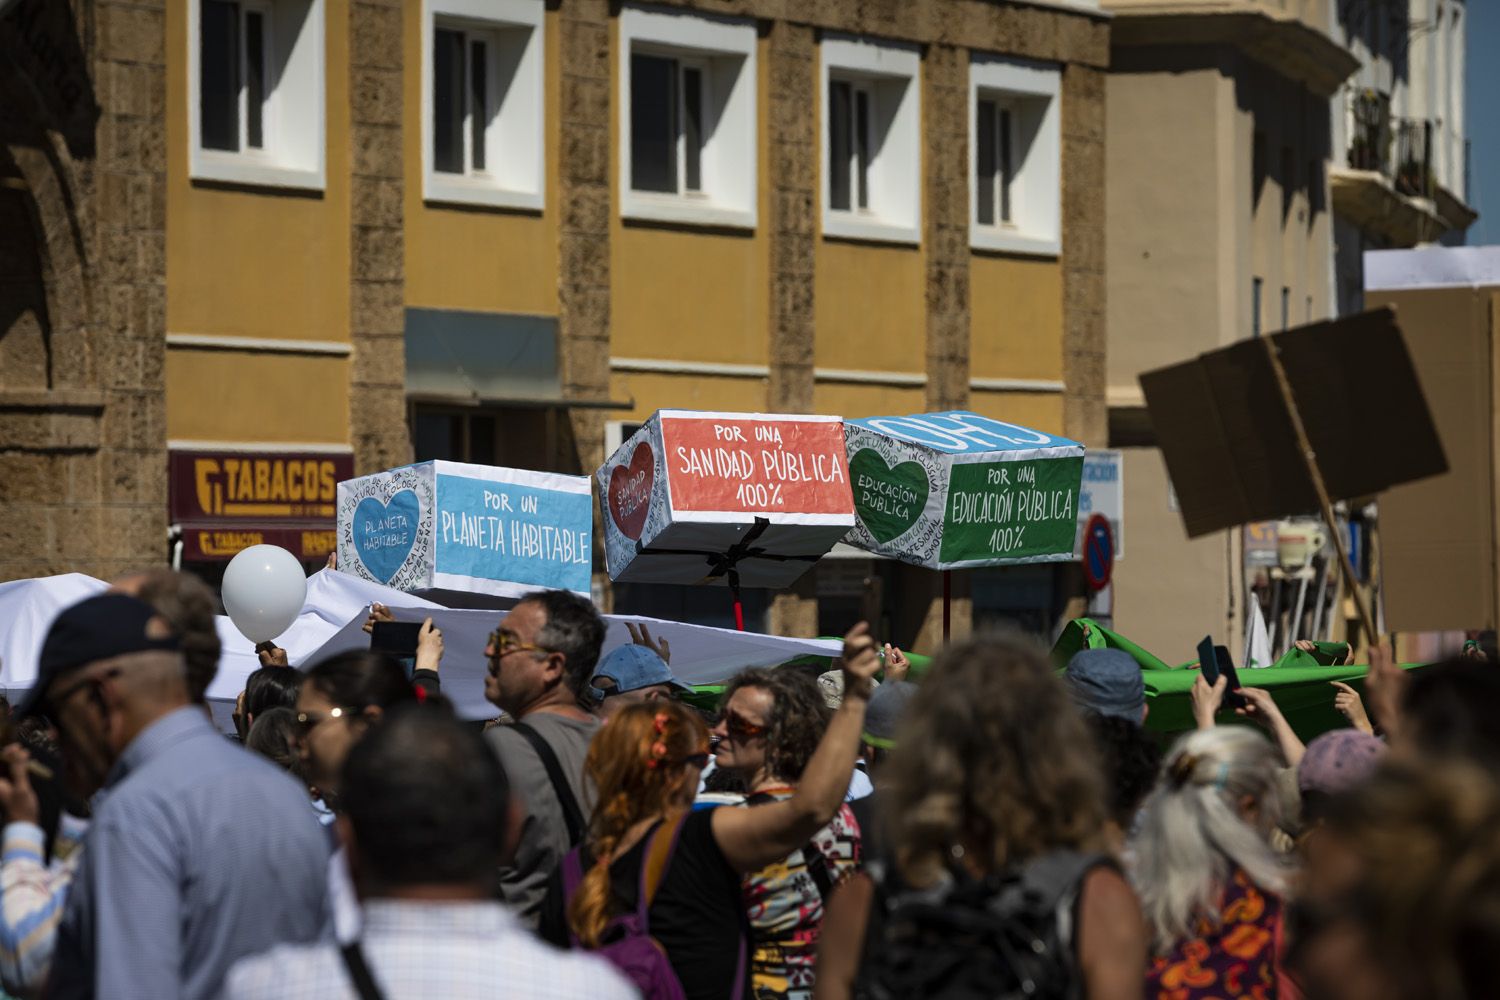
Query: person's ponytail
(635, 763)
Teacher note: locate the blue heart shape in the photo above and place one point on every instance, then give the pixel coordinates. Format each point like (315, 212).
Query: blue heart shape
(384, 533)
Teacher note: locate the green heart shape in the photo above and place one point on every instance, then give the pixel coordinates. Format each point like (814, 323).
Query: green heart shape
(889, 501)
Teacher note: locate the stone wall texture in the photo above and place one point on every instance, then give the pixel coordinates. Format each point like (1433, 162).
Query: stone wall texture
(377, 269)
(82, 287)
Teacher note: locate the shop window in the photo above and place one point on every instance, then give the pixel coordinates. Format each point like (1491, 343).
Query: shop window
(687, 119)
(482, 80)
(256, 79)
(871, 143)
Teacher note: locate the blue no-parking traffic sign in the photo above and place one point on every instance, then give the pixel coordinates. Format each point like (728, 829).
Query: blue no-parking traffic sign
(1098, 552)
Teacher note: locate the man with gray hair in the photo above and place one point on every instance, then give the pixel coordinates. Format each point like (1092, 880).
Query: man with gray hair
(200, 853)
(541, 660)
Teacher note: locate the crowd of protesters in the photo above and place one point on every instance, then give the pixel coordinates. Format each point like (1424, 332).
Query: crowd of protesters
(999, 828)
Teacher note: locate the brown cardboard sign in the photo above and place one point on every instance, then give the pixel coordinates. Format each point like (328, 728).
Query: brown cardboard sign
(1225, 432)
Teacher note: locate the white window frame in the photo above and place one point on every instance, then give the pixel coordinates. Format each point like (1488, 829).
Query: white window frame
(891, 74)
(514, 175)
(724, 49)
(1033, 93)
(293, 114)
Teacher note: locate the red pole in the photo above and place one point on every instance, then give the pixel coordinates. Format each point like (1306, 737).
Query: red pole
(739, 606)
(947, 601)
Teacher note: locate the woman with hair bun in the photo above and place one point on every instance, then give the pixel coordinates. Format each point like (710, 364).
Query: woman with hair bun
(1209, 881)
(645, 764)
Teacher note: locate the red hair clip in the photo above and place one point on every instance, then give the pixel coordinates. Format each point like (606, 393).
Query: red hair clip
(661, 723)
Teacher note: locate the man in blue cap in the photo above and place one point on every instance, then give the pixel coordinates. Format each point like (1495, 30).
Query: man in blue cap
(1108, 682)
(637, 672)
(200, 852)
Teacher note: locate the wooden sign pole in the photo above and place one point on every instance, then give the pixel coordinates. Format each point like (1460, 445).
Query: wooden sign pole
(1310, 457)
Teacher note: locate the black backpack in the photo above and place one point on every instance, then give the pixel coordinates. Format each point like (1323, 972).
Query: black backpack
(999, 938)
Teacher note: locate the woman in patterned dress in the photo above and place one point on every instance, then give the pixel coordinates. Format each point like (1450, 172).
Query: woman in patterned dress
(1210, 884)
(771, 723)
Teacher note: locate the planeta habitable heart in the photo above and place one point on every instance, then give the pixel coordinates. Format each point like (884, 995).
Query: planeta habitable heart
(384, 533)
(889, 501)
(630, 488)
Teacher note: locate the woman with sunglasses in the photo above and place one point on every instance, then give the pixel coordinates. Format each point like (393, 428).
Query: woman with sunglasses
(768, 730)
(646, 763)
(338, 703)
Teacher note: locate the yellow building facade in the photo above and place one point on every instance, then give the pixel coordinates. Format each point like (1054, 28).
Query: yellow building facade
(505, 231)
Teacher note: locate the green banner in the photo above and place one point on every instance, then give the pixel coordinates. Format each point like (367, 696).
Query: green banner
(1011, 510)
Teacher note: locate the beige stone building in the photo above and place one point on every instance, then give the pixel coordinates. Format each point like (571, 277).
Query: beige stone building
(1256, 148)
(254, 245)
(1219, 229)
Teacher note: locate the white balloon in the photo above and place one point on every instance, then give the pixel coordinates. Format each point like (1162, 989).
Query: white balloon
(264, 589)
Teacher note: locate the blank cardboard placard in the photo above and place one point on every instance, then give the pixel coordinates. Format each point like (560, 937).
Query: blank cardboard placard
(1437, 536)
(1223, 427)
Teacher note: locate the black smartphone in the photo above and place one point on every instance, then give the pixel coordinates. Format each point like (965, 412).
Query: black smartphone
(398, 640)
(1226, 667)
(1213, 661)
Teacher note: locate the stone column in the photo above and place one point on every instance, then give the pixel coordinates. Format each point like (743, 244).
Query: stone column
(377, 244)
(1085, 417)
(793, 181)
(945, 154)
(584, 197)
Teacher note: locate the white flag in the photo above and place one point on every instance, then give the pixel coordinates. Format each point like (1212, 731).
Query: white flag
(1260, 638)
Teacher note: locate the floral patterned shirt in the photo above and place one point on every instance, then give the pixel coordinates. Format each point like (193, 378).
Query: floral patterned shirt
(1237, 957)
(785, 908)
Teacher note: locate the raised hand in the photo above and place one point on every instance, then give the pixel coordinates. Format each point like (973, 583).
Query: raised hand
(641, 636)
(897, 666)
(1348, 702)
(1206, 699)
(429, 646)
(860, 662)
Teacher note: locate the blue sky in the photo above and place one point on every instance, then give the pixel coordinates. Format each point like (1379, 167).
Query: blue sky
(1484, 119)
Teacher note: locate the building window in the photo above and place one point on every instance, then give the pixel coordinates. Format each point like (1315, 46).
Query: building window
(1015, 156)
(1255, 287)
(687, 119)
(482, 85)
(872, 168)
(255, 82)
(994, 132)
(667, 110)
(232, 89)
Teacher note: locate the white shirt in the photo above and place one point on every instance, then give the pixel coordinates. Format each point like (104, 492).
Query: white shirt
(423, 951)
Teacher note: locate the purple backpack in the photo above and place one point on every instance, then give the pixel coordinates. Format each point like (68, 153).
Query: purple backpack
(627, 941)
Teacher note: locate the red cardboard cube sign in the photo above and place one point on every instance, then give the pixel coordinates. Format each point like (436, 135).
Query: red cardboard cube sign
(747, 466)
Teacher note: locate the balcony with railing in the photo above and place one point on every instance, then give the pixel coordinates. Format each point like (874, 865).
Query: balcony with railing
(1388, 186)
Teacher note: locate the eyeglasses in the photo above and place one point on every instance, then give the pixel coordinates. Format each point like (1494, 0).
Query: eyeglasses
(308, 721)
(504, 643)
(741, 728)
(62, 696)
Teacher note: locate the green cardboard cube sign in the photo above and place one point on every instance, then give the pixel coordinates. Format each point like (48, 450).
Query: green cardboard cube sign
(953, 490)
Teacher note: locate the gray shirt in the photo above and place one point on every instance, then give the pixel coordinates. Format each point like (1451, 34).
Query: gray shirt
(544, 832)
(200, 853)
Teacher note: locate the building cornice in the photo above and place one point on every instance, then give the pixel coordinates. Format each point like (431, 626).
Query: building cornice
(1275, 38)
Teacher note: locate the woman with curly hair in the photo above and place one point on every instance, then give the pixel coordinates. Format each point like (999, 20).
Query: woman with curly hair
(645, 764)
(769, 727)
(1210, 883)
(994, 881)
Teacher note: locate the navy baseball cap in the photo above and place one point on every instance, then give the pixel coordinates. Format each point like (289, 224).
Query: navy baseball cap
(1107, 681)
(634, 666)
(884, 712)
(95, 629)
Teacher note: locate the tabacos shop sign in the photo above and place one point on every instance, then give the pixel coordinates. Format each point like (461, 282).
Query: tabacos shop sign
(222, 502)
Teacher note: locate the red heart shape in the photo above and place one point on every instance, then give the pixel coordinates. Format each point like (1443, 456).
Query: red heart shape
(630, 491)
